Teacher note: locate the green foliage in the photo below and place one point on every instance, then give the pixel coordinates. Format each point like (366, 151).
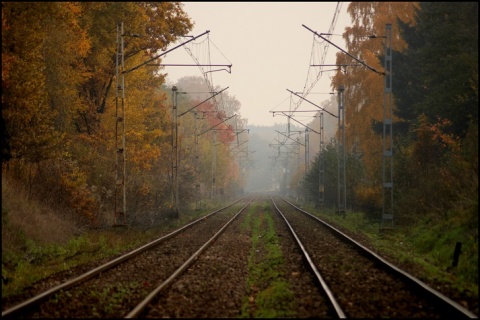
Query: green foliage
(429, 244)
(451, 33)
(37, 261)
(311, 181)
(361, 193)
(438, 73)
(437, 242)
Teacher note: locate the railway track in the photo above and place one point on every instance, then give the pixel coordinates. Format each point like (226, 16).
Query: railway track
(357, 282)
(128, 283)
(203, 268)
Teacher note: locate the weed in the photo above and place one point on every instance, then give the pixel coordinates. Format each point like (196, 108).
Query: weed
(37, 261)
(427, 244)
(269, 293)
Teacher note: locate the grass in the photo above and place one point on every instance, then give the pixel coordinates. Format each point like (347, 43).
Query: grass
(38, 242)
(269, 293)
(37, 261)
(427, 244)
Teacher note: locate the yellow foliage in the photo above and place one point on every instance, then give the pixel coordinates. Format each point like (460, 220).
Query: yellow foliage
(369, 197)
(363, 87)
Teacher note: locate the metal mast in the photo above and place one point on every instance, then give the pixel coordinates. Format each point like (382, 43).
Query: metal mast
(120, 206)
(321, 184)
(307, 160)
(307, 150)
(287, 170)
(321, 163)
(214, 151)
(342, 195)
(214, 162)
(197, 180)
(120, 160)
(387, 154)
(174, 151)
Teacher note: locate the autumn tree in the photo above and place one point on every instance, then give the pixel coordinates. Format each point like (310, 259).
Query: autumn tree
(58, 102)
(363, 87)
(435, 104)
(209, 117)
(26, 104)
(157, 23)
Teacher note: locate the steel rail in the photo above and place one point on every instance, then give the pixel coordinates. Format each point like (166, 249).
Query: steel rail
(453, 306)
(89, 274)
(144, 303)
(340, 313)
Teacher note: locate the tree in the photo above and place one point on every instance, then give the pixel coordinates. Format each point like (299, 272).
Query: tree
(58, 106)
(364, 88)
(311, 180)
(437, 75)
(158, 23)
(211, 114)
(26, 111)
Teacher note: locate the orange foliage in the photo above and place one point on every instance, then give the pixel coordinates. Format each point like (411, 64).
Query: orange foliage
(225, 133)
(432, 143)
(364, 88)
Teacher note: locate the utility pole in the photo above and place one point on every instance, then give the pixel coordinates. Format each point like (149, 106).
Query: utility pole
(197, 181)
(174, 184)
(120, 205)
(214, 162)
(120, 159)
(307, 156)
(307, 149)
(308, 129)
(299, 191)
(341, 176)
(297, 152)
(321, 174)
(214, 156)
(321, 166)
(175, 147)
(275, 185)
(287, 171)
(341, 194)
(387, 154)
(387, 144)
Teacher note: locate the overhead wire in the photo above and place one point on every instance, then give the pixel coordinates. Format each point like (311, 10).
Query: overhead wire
(202, 57)
(322, 54)
(315, 52)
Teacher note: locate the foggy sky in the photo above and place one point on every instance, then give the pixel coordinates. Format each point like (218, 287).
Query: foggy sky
(268, 48)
